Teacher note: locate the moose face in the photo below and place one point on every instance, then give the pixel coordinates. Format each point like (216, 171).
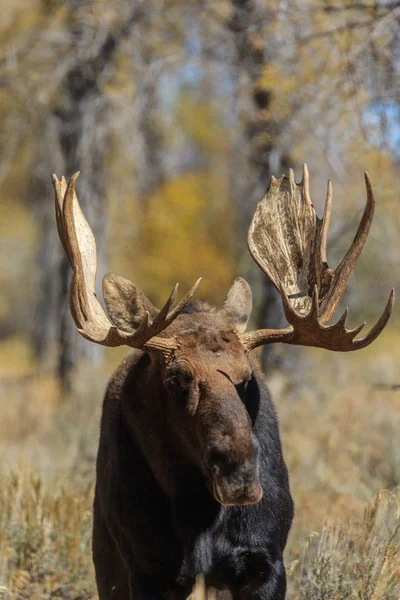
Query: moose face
(206, 380)
(213, 403)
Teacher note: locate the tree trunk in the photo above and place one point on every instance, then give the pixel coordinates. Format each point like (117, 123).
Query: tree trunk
(76, 139)
(149, 147)
(257, 154)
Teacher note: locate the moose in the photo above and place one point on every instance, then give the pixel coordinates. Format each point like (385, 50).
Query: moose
(190, 474)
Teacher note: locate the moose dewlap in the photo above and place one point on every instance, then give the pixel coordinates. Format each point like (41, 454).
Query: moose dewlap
(190, 475)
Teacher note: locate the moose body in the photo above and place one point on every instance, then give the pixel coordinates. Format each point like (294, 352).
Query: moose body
(190, 474)
(156, 522)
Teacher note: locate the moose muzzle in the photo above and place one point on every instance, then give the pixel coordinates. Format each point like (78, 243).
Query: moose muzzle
(237, 484)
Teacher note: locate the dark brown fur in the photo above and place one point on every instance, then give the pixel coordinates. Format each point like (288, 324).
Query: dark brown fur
(187, 448)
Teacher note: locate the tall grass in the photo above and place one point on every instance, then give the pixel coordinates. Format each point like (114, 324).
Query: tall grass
(356, 562)
(45, 540)
(45, 548)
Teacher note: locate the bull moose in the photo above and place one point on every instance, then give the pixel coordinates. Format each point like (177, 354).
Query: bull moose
(190, 473)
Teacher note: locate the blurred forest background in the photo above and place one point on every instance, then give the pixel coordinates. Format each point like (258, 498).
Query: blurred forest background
(176, 113)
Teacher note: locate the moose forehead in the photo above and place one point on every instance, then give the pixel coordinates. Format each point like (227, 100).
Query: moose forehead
(211, 346)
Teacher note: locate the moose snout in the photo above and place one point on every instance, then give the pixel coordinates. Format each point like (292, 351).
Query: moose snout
(236, 484)
(236, 494)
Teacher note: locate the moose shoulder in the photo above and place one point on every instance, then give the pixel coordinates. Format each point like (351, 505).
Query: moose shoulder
(190, 473)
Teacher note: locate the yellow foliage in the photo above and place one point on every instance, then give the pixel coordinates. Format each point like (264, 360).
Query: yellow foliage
(18, 15)
(202, 122)
(282, 85)
(185, 235)
(16, 358)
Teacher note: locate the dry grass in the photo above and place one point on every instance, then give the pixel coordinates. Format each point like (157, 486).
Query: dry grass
(356, 562)
(341, 440)
(45, 540)
(341, 437)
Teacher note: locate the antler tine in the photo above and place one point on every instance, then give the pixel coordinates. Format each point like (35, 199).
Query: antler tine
(166, 345)
(181, 305)
(80, 246)
(373, 333)
(326, 219)
(345, 267)
(91, 320)
(306, 184)
(288, 242)
(163, 314)
(322, 274)
(60, 187)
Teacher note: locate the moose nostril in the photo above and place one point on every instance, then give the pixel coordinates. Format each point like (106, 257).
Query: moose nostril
(216, 458)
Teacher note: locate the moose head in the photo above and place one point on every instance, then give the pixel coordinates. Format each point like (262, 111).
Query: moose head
(200, 357)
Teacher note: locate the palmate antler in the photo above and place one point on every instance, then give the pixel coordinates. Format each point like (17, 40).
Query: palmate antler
(288, 241)
(92, 322)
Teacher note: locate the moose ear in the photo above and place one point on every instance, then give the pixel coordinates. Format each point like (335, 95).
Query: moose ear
(125, 302)
(238, 304)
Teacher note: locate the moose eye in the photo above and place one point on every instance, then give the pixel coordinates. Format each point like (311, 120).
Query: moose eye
(179, 379)
(242, 388)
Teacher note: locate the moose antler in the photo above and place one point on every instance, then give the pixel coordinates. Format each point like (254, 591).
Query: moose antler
(288, 241)
(91, 320)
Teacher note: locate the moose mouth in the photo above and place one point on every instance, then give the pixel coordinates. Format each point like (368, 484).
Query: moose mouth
(236, 495)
